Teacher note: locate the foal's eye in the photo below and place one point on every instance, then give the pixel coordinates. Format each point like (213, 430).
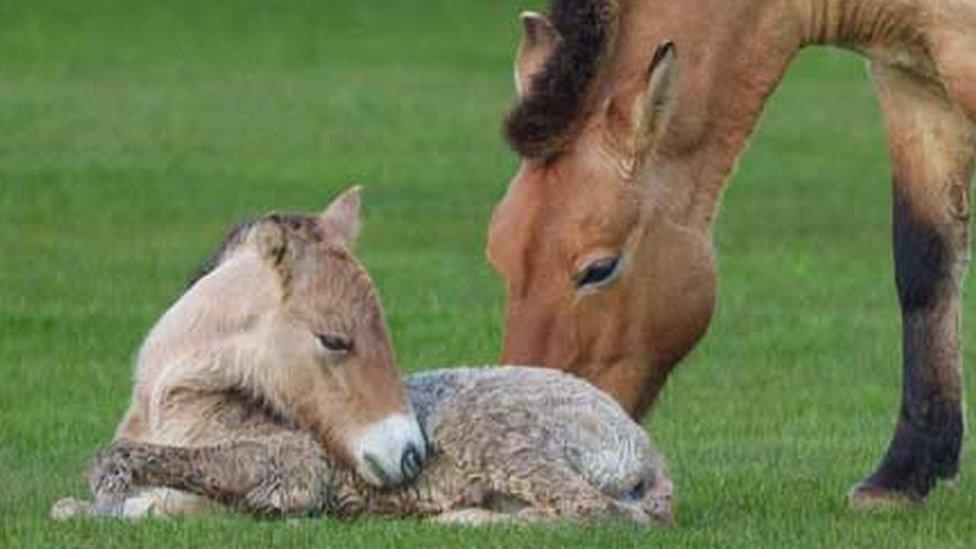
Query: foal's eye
(599, 273)
(335, 343)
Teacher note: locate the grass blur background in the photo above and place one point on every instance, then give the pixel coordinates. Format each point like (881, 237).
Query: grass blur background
(133, 134)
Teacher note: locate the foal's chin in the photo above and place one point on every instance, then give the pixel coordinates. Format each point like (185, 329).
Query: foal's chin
(389, 452)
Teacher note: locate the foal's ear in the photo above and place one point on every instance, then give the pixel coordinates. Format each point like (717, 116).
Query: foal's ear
(340, 221)
(539, 40)
(271, 241)
(643, 112)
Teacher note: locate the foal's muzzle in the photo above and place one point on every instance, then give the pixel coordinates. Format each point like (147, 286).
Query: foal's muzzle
(391, 451)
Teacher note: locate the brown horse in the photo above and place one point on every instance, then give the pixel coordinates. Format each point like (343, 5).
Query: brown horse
(630, 118)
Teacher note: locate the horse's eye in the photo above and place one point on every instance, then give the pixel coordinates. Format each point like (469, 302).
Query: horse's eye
(599, 273)
(335, 343)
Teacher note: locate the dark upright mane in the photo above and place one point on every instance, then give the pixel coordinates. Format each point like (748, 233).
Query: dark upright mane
(544, 119)
(232, 240)
(299, 226)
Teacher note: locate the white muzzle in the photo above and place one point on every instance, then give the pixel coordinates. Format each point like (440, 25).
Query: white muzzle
(390, 451)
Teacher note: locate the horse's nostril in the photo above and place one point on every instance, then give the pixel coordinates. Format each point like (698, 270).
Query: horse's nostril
(410, 462)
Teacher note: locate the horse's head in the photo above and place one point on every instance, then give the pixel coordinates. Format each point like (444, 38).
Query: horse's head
(604, 276)
(313, 341)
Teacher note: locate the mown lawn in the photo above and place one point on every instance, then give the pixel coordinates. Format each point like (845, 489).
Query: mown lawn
(133, 133)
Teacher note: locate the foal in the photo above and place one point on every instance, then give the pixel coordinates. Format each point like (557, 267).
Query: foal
(284, 323)
(507, 443)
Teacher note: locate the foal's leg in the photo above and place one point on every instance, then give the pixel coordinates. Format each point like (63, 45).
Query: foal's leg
(932, 148)
(208, 446)
(282, 474)
(536, 491)
(531, 482)
(473, 516)
(476, 516)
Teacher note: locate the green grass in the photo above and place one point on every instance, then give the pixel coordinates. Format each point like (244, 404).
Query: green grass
(134, 133)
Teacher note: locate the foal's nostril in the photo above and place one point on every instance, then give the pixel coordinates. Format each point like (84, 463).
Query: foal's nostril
(390, 451)
(374, 466)
(410, 462)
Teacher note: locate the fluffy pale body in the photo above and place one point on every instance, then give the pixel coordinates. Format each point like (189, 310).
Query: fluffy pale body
(641, 159)
(507, 444)
(270, 387)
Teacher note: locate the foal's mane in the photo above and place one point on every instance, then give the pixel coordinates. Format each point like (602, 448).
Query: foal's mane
(545, 119)
(296, 226)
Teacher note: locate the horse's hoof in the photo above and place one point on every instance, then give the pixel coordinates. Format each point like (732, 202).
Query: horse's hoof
(952, 482)
(869, 497)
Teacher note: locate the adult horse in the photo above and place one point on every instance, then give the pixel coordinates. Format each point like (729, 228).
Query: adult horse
(631, 115)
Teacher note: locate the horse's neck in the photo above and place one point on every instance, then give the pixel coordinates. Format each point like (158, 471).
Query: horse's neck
(864, 24)
(733, 54)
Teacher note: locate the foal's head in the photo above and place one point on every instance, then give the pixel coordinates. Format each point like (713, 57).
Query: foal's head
(313, 342)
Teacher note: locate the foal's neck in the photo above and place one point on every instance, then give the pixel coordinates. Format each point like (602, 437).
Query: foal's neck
(213, 310)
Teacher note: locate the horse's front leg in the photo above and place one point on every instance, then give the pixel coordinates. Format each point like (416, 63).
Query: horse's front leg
(932, 149)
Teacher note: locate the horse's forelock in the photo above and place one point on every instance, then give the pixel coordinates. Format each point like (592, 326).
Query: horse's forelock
(545, 119)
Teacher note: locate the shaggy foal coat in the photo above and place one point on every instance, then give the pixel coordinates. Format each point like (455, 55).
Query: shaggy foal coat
(276, 432)
(506, 444)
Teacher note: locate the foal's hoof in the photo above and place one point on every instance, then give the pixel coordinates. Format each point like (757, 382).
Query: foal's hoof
(869, 497)
(70, 508)
(470, 517)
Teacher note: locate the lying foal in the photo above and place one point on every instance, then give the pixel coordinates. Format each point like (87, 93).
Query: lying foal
(508, 443)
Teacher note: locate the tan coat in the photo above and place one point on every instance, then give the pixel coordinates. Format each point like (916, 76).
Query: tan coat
(630, 119)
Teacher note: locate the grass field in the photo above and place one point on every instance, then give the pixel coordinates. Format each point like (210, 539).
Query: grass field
(133, 134)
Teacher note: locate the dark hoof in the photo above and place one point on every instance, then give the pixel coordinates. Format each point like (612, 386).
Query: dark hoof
(952, 482)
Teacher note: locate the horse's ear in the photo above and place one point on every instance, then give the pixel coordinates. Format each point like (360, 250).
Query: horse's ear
(641, 113)
(340, 221)
(539, 40)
